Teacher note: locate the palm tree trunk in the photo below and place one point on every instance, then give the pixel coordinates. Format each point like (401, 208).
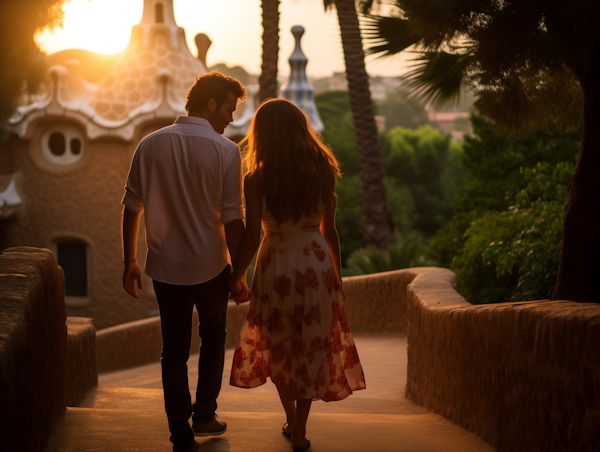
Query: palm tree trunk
(377, 218)
(579, 264)
(268, 77)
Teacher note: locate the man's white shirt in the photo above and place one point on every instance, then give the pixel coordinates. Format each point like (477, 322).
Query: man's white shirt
(187, 179)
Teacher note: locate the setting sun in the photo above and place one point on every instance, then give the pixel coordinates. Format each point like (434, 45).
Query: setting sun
(101, 26)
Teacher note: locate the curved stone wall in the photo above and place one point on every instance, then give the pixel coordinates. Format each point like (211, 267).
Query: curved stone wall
(33, 339)
(524, 376)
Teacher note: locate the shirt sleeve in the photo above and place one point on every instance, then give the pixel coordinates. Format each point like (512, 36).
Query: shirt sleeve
(133, 195)
(232, 207)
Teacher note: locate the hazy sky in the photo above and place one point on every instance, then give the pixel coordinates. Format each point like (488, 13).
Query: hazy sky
(234, 26)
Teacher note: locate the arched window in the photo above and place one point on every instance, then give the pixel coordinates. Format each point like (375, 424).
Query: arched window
(159, 13)
(72, 256)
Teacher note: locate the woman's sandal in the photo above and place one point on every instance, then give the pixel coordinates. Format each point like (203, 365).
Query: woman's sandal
(283, 430)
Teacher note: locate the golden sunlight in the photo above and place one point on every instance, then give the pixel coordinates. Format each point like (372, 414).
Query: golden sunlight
(101, 26)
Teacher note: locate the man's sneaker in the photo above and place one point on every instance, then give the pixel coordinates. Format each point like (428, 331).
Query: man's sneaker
(211, 428)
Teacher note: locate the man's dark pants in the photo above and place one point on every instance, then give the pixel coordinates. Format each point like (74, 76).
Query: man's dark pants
(175, 304)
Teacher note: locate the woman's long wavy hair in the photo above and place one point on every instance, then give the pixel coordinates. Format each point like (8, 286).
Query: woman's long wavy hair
(295, 170)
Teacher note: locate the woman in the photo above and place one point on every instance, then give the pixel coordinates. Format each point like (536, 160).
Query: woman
(296, 331)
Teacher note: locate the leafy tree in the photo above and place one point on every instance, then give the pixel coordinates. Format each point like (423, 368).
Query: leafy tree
(513, 255)
(510, 190)
(530, 63)
(23, 63)
(399, 112)
(405, 252)
(428, 164)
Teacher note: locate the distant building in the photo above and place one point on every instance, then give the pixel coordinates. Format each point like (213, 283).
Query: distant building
(64, 165)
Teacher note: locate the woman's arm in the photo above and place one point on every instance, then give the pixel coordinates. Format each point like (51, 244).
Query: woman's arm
(331, 236)
(251, 238)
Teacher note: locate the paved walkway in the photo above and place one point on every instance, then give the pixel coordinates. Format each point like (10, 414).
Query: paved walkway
(126, 413)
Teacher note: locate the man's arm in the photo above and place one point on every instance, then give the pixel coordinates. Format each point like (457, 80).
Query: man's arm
(131, 227)
(234, 232)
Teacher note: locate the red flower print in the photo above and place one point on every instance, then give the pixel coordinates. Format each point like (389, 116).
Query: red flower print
(308, 279)
(250, 318)
(279, 380)
(239, 357)
(297, 392)
(342, 381)
(264, 298)
(330, 280)
(298, 348)
(321, 255)
(316, 345)
(265, 259)
(332, 373)
(275, 323)
(278, 353)
(249, 341)
(351, 357)
(320, 379)
(302, 373)
(306, 250)
(287, 365)
(313, 315)
(282, 285)
(336, 342)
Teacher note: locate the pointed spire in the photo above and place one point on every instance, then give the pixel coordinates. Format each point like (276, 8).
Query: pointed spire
(298, 89)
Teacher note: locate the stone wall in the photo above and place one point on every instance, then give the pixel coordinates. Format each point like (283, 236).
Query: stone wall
(524, 376)
(47, 361)
(33, 339)
(140, 342)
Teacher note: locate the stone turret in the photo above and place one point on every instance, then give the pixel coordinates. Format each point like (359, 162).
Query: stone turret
(298, 89)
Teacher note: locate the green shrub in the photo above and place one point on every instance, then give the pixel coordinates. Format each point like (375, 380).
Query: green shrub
(514, 255)
(405, 252)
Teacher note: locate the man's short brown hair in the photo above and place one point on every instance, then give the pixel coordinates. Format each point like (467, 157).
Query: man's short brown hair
(212, 85)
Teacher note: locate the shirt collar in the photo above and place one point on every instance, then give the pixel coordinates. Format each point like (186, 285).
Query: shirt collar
(192, 120)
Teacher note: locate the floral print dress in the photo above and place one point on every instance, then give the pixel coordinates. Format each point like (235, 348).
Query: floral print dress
(296, 331)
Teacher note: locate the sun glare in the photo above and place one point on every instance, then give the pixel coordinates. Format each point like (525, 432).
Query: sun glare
(102, 26)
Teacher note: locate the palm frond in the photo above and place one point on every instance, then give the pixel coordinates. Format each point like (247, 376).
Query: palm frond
(387, 35)
(436, 78)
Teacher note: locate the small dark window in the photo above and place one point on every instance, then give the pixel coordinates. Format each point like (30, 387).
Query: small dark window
(57, 143)
(159, 13)
(75, 146)
(72, 257)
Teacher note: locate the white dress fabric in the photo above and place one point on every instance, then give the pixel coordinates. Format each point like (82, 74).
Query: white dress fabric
(296, 331)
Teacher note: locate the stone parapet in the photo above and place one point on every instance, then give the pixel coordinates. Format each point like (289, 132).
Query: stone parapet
(140, 342)
(33, 338)
(524, 376)
(81, 374)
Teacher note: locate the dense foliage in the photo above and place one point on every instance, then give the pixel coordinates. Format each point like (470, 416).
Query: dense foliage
(422, 172)
(504, 239)
(23, 63)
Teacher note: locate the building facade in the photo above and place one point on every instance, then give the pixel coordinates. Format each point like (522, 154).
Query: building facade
(64, 164)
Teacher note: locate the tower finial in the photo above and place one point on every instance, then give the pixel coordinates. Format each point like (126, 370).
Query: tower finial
(298, 89)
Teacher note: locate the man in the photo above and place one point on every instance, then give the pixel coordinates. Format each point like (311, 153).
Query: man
(187, 180)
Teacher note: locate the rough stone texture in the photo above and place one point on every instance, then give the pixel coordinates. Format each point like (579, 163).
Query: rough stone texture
(524, 376)
(81, 374)
(33, 340)
(140, 342)
(377, 303)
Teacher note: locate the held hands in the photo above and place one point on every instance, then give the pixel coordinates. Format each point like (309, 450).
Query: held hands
(130, 274)
(239, 291)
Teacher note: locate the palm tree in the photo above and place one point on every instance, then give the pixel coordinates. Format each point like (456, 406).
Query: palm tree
(268, 77)
(377, 220)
